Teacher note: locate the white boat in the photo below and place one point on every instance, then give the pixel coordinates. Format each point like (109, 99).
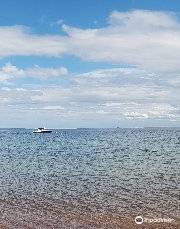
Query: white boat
(42, 130)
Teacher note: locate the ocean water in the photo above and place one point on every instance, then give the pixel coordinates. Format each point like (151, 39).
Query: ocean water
(65, 178)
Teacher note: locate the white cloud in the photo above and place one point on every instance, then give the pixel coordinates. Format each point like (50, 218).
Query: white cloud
(45, 72)
(121, 94)
(144, 19)
(17, 97)
(18, 40)
(144, 111)
(53, 108)
(9, 71)
(147, 39)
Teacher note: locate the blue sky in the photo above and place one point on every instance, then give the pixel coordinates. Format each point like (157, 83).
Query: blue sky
(89, 63)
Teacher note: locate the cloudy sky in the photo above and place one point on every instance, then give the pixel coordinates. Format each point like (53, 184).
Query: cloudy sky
(68, 64)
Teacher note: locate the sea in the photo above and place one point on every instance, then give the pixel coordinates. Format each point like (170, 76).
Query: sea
(89, 178)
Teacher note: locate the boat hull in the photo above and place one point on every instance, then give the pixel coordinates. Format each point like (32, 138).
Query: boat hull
(42, 132)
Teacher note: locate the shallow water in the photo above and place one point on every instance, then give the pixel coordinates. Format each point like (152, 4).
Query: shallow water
(95, 171)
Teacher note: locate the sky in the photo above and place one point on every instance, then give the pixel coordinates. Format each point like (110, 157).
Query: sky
(89, 63)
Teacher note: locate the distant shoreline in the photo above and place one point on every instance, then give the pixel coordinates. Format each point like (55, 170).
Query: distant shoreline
(89, 128)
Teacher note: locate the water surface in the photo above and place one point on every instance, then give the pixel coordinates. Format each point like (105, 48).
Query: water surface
(59, 177)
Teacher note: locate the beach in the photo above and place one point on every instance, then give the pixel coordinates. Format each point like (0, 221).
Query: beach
(89, 178)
